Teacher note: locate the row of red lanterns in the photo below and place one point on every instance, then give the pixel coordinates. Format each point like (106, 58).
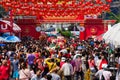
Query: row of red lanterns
(50, 1)
(35, 8)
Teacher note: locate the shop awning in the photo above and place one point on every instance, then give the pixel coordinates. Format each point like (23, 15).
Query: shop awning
(5, 26)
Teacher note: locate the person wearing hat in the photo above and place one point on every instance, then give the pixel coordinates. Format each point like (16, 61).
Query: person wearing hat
(62, 61)
(78, 68)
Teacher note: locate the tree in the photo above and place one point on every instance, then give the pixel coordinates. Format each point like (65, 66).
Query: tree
(2, 12)
(114, 16)
(65, 33)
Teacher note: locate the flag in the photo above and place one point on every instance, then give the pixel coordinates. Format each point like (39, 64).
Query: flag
(82, 33)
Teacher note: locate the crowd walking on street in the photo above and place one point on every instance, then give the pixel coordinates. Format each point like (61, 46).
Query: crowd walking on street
(74, 60)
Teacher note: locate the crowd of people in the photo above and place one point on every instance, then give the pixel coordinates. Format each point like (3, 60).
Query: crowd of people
(75, 60)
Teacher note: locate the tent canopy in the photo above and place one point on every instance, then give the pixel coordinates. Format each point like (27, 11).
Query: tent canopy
(5, 26)
(112, 36)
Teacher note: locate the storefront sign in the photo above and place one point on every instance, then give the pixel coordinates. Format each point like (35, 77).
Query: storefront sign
(93, 30)
(3, 26)
(82, 29)
(38, 29)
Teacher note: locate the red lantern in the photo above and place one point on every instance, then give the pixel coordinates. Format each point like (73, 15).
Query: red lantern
(8, 1)
(19, 11)
(82, 0)
(27, 12)
(0, 2)
(80, 3)
(50, 1)
(91, 4)
(33, 1)
(98, 1)
(25, 1)
(55, 14)
(106, 7)
(25, 4)
(44, 1)
(8, 4)
(88, 3)
(33, 13)
(109, 1)
(64, 3)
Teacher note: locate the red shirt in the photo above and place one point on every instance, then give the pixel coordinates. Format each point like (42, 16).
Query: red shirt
(37, 55)
(40, 63)
(61, 63)
(104, 61)
(67, 55)
(4, 71)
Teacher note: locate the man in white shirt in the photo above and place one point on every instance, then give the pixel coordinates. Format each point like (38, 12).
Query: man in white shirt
(106, 74)
(67, 70)
(37, 76)
(119, 61)
(100, 73)
(55, 76)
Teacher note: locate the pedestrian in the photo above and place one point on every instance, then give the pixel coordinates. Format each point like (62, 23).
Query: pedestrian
(67, 70)
(38, 75)
(24, 73)
(15, 68)
(4, 70)
(78, 68)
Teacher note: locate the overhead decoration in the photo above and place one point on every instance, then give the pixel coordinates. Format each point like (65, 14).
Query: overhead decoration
(55, 8)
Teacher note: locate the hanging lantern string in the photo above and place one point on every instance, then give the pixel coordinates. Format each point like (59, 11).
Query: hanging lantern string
(55, 7)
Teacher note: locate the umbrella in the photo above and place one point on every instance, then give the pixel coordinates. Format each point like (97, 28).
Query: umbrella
(109, 33)
(64, 51)
(75, 56)
(112, 36)
(2, 39)
(12, 39)
(2, 44)
(5, 34)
